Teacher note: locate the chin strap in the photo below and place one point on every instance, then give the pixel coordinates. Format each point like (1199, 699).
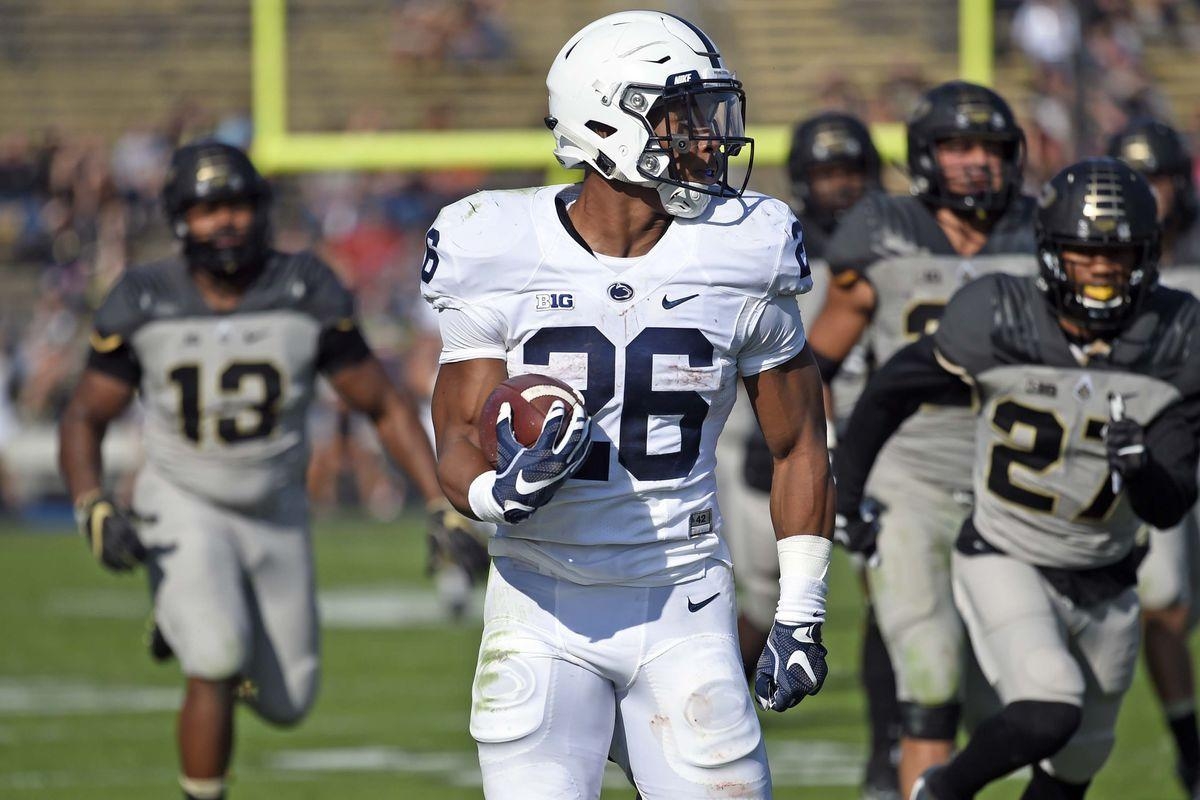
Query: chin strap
(679, 201)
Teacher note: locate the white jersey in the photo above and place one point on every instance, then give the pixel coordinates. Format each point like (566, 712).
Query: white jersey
(654, 349)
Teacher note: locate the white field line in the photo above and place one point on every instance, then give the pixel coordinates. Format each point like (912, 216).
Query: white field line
(352, 607)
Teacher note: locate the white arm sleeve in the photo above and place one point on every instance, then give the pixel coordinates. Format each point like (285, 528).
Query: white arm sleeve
(466, 336)
(774, 338)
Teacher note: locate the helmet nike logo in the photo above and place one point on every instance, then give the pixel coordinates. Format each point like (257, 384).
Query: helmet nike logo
(669, 304)
(529, 487)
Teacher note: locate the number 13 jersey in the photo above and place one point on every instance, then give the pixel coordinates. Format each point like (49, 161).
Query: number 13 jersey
(654, 348)
(226, 395)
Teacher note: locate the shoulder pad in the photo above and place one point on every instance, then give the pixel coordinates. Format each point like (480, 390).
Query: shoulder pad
(988, 321)
(768, 236)
(1164, 340)
(878, 226)
(134, 300)
(468, 236)
(309, 284)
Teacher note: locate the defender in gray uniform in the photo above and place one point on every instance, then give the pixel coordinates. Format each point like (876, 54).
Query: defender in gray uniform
(1086, 384)
(224, 347)
(832, 164)
(895, 263)
(1169, 576)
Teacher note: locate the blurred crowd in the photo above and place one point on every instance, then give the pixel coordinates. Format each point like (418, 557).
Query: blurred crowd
(75, 210)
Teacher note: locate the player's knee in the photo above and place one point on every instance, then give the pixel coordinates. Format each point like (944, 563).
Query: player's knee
(938, 722)
(1044, 728)
(1045, 786)
(1171, 619)
(216, 657)
(288, 703)
(929, 657)
(1080, 759)
(716, 725)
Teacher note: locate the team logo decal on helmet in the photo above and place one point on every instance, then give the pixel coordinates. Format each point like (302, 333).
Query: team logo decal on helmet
(644, 97)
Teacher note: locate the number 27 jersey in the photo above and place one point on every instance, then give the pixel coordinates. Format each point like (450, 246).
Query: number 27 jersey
(654, 349)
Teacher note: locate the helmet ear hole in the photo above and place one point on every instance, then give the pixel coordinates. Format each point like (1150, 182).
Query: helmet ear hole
(600, 129)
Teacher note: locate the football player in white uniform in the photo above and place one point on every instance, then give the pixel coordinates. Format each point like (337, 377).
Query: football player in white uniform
(650, 287)
(224, 346)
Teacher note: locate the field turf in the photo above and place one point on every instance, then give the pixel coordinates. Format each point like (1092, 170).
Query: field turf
(84, 713)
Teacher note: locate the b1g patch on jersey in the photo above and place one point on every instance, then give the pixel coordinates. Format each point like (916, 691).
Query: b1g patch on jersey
(700, 523)
(553, 301)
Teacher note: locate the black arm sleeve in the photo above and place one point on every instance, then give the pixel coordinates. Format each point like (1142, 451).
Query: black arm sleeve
(1163, 491)
(120, 363)
(339, 347)
(116, 321)
(910, 379)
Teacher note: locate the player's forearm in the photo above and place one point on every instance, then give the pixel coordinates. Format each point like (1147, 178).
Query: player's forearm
(79, 454)
(404, 438)
(802, 493)
(459, 464)
(1162, 492)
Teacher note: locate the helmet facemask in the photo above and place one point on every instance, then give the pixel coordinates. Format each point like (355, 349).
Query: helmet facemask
(983, 202)
(1100, 308)
(695, 129)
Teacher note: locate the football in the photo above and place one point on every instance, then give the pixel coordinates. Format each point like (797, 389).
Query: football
(531, 396)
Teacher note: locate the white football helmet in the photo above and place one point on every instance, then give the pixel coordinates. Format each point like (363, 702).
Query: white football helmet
(644, 97)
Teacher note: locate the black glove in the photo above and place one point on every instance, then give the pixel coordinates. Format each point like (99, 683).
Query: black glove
(859, 532)
(1125, 445)
(455, 541)
(791, 667)
(110, 531)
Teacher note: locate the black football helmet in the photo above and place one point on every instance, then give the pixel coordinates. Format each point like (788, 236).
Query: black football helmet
(1154, 148)
(1097, 202)
(211, 172)
(963, 110)
(829, 138)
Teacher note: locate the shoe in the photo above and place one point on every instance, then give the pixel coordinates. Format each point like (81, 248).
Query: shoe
(876, 792)
(921, 790)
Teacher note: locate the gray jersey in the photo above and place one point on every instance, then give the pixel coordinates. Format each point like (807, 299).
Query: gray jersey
(1043, 490)
(1185, 277)
(226, 394)
(897, 245)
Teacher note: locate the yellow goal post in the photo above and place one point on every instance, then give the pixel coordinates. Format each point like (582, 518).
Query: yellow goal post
(278, 150)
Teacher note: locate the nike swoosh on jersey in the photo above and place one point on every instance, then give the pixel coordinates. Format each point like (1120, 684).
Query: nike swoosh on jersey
(529, 487)
(669, 304)
(694, 607)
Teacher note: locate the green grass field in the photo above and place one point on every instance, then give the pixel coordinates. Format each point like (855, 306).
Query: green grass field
(84, 713)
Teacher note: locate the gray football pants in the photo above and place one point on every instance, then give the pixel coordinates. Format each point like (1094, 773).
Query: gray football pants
(234, 595)
(1034, 644)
